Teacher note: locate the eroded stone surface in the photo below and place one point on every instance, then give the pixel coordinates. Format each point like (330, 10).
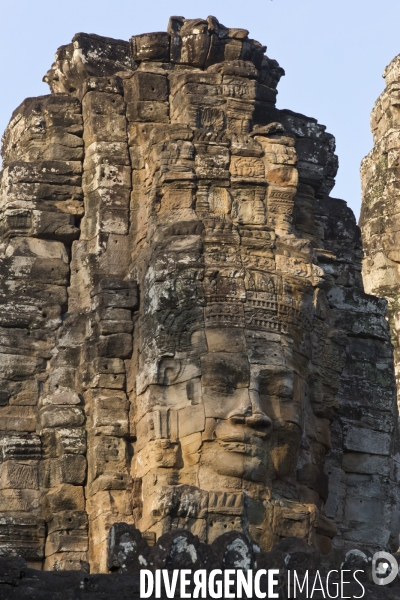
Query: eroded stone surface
(185, 338)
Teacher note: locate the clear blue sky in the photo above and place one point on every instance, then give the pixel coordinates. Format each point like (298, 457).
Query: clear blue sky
(334, 53)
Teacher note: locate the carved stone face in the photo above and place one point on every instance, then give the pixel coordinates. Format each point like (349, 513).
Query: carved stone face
(230, 408)
(220, 387)
(222, 343)
(252, 432)
(237, 428)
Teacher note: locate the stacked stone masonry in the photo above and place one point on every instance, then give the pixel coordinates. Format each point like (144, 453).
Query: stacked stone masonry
(185, 341)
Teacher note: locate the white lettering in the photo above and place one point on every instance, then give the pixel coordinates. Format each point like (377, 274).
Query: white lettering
(228, 583)
(296, 583)
(158, 583)
(359, 583)
(272, 583)
(335, 585)
(185, 582)
(317, 579)
(342, 582)
(243, 584)
(257, 591)
(146, 583)
(215, 587)
(170, 587)
(200, 581)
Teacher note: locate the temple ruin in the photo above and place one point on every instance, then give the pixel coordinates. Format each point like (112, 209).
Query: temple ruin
(185, 339)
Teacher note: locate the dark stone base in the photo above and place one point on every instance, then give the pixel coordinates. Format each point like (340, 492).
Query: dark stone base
(129, 552)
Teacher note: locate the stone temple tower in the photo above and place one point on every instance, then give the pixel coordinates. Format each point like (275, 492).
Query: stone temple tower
(185, 341)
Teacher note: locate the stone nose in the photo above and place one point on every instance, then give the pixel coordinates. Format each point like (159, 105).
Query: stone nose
(259, 421)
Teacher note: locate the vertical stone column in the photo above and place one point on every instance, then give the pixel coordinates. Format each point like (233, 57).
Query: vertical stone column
(379, 222)
(63, 468)
(41, 202)
(100, 261)
(379, 219)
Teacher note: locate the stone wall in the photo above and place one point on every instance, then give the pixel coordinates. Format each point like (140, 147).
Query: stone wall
(185, 339)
